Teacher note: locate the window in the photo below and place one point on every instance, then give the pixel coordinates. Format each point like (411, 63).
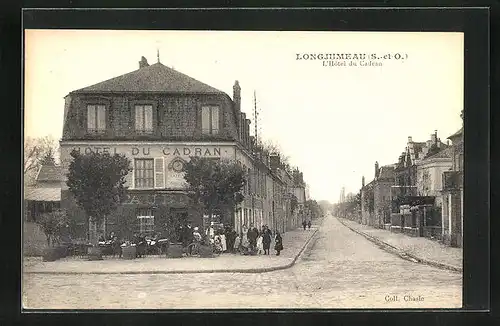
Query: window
(144, 119)
(144, 173)
(96, 118)
(210, 120)
(146, 220)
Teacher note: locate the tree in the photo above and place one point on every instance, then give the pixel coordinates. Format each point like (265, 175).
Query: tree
(215, 185)
(52, 224)
(97, 182)
(314, 208)
(273, 148)
(37, 151)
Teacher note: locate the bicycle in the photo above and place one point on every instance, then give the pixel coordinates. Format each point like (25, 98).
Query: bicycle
(192, 249)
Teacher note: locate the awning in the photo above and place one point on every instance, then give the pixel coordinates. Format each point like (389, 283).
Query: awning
(43, 194)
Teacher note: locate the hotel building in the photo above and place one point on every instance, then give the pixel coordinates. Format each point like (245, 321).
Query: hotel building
(159, 118)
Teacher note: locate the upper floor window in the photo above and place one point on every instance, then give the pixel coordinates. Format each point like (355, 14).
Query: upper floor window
(96, 118)
(144, 118)
(210, 120)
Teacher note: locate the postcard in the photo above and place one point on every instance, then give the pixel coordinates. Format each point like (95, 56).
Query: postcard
(242, 169)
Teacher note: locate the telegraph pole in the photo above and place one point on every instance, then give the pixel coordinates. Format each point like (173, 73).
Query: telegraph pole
(255, 117)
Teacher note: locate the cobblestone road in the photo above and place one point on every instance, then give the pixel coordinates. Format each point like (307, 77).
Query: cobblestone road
(341, 269)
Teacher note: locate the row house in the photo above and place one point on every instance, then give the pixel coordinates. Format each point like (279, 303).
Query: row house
(452, 195)
(376, 197)
(420, 195)
(429, 184)
(159, 118)
(299, 191)
(408, 207)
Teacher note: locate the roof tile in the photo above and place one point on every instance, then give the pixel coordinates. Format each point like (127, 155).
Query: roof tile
(50, 173)
(154, 78)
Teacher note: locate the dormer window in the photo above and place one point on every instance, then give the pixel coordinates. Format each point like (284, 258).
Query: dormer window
(144, 119)
(210, 120)
(96, 118)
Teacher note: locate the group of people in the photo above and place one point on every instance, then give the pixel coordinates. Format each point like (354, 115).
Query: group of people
(306, 224)
(254, 241)
(250, 241)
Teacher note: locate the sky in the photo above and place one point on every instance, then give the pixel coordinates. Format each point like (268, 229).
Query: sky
(333, 122)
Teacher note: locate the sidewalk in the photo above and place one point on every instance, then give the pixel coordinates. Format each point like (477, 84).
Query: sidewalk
(294, 242)
(417, 249)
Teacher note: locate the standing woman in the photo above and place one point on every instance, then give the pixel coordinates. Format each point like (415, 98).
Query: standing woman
(278, 246)
(266, 240)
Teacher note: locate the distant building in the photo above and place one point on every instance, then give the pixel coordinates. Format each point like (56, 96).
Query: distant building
(45, 195)
(406, 202)
(376, 197)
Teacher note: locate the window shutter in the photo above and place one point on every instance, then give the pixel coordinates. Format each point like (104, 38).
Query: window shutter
(148, 118)
(205, 119)
(139, 114)
(91, 117)
(159, 173)
(101, 117)
(215, 120)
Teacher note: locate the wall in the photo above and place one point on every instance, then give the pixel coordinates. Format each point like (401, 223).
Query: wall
(429, 176)
(136, 150)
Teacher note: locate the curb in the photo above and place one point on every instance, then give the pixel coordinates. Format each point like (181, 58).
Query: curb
(402, 254)
(241, 271)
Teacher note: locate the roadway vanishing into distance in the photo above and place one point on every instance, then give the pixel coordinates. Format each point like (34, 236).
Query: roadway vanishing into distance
(340, 269)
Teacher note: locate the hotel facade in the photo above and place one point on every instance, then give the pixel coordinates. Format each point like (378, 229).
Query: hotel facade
(159, 118)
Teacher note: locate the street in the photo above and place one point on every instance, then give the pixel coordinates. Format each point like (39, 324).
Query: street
(340, 269)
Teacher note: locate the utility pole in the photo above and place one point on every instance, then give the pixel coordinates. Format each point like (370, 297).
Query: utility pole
(255, 117)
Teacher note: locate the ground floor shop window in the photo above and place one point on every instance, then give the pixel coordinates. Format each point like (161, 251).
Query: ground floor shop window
(146, 221)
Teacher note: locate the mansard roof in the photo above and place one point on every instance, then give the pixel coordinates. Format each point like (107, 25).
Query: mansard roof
(445, 153)
(156, 78)
(386, 172)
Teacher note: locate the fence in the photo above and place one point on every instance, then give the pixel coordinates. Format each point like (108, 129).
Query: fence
(433, 232)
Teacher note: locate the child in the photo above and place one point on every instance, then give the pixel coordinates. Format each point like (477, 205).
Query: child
(237, 242)
(278, 240)
(260, 245)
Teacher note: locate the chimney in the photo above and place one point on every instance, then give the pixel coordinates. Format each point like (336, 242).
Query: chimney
(143, 63)
(363, 181)
(274, 161)
(447, 142)
(237, 104)
(434, 137)
(409, 139)
(376, 170)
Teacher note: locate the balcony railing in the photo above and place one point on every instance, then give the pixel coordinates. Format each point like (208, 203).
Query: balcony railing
(452, 180)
